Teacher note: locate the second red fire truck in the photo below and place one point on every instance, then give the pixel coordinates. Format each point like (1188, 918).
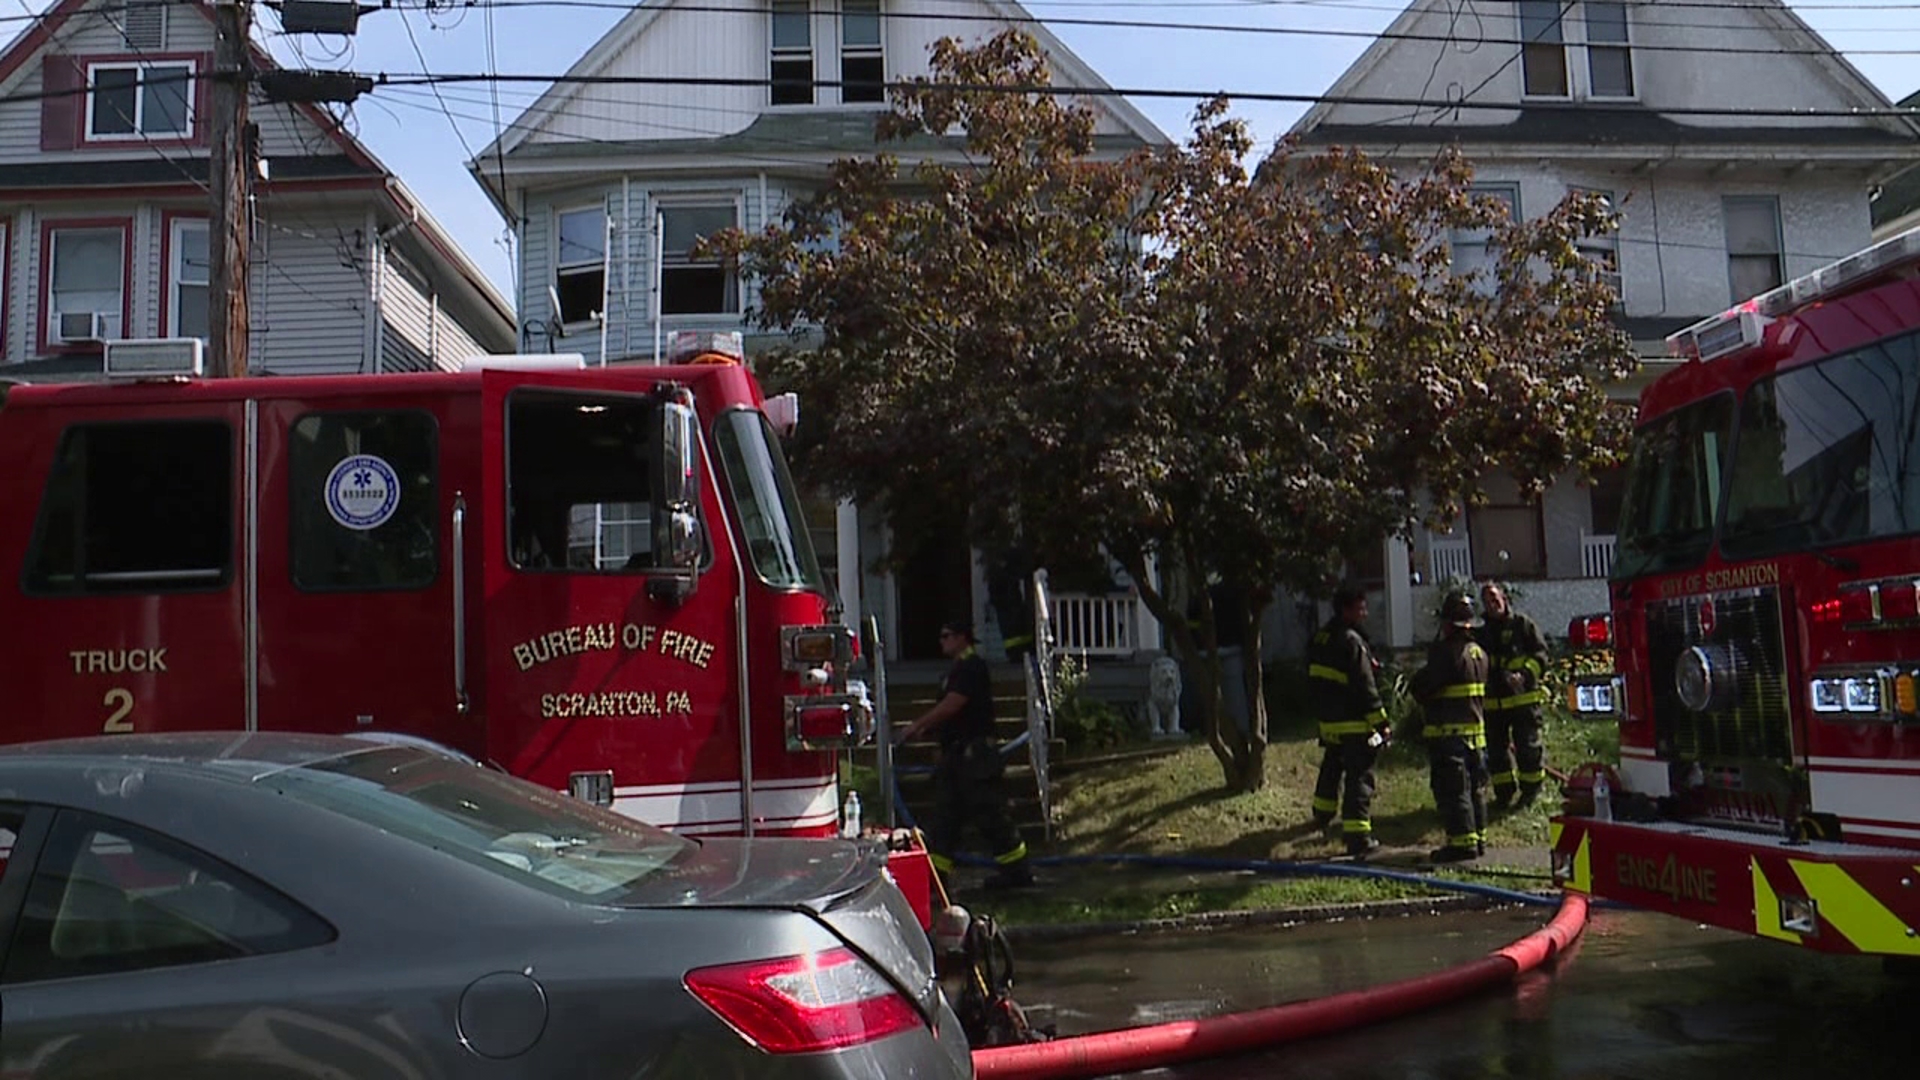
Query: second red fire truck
(1765, 622)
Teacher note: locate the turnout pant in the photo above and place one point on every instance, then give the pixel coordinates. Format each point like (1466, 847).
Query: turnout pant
(1349, 759)
(969, 788)
(1516, 754)
(1458, 771)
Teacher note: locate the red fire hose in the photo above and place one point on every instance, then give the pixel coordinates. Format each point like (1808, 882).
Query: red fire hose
(1194, 1040)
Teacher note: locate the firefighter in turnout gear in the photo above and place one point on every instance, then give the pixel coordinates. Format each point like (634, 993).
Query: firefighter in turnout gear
(1346, 701)
(1517, 657)
(1450, 688)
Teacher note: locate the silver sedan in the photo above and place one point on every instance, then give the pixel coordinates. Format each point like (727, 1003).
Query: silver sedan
(291, 906)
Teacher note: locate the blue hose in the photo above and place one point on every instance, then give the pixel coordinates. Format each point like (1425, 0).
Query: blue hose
(1277, 867)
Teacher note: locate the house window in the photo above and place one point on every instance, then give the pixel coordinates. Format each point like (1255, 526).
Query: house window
(1543, 52)
(863, 63)
(792, 52)
(189, 271)
(1754, 255)
(690, 286)
(86, 283)
(136, 507)
(1473, 251)
(580, 263)
(133, 101)
(1602, 250)
(1609, 56)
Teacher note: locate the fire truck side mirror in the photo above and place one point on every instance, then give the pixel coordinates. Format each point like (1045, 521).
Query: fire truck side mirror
(676, 524)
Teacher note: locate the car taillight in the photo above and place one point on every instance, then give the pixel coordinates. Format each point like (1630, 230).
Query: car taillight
(804, 1004)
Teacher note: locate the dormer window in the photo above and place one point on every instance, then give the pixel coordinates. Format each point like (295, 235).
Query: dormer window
(139, 101)
(863, 62)
(792, 61)
(1556, 37)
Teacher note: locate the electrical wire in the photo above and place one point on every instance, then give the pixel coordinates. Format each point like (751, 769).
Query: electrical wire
(1692, 49)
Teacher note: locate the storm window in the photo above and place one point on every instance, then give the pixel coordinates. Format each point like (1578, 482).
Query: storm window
(1543, 50)
(792, 60)
(1755, 261)
(863, 64)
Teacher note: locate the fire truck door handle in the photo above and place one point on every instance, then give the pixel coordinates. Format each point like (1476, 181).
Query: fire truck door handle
(460, 702)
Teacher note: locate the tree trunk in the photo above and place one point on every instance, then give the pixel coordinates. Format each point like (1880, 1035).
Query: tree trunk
(1253, 762)
(1201, 655)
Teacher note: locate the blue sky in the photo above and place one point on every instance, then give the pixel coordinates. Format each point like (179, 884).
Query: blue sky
(408, 130)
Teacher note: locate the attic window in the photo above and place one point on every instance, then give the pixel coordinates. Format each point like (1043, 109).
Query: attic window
(143, 24)
(792, 52)
(1609, 55)
(1543, 52)
(133, 101)
(863, 62)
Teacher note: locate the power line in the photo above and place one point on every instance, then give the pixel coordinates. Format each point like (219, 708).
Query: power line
(1051, 90)
(417, 78)
(1227, 28)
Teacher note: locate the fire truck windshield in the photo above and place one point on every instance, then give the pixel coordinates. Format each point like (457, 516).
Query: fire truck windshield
(763, 496)
(1828, 453)
(1673, 488)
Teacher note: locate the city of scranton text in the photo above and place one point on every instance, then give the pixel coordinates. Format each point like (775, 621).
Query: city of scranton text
(630, 637)
(1737, 577)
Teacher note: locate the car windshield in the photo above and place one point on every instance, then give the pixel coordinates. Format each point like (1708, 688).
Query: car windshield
(1828, 453)
(1673, 488)
(510, 826)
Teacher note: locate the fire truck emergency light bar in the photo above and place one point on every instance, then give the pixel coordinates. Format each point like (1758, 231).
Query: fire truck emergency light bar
(153, 358)
(1740, 327)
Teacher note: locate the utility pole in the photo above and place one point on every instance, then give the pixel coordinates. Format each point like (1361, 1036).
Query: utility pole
(229, 233)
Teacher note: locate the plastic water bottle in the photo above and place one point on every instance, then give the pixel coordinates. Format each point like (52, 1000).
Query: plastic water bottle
(850, 816)
(1602, 798)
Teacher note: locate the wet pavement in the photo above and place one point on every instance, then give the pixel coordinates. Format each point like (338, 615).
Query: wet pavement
(1641, 996)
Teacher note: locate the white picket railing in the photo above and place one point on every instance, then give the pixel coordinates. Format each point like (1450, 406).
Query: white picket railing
(1106, 624)
(1596, 555)
(1450, 556)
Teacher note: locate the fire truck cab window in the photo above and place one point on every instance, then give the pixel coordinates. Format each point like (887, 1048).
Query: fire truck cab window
(579, 482)
(771, 521)
(1828, 453)
(1673, 488)
(140, 507)
(365, 511)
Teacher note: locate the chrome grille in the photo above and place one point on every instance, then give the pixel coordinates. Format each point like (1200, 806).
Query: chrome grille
(1757, 723)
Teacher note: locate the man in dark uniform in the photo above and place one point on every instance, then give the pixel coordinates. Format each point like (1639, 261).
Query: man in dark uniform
(1346, 702)
(1517, 656)
(967, 780)
(1451, 687)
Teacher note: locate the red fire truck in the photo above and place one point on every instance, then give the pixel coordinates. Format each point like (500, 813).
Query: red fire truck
(1765, 622)
(596, 578)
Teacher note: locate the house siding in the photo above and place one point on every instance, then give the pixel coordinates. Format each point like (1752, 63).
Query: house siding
(309, 305)
(1696, 78)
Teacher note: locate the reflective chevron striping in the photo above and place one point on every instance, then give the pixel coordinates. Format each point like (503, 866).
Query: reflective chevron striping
(1853, 912)
(1766, 908)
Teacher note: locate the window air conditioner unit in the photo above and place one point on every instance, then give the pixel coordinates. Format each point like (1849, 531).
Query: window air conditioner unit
(85, 325)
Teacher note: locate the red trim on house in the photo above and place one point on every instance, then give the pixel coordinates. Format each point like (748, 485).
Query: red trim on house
(45, 307)
(167, 218)
(184, 189)
(196, 124)
(39, 34)
(6, 282)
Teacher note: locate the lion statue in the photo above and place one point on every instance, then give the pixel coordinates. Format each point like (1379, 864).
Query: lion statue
(1163, 697)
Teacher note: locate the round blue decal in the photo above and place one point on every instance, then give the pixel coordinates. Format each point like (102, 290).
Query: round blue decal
(363, 491)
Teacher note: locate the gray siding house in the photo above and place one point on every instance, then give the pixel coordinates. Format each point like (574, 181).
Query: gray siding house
(1616, 98)
(608, 187)
(104, 203)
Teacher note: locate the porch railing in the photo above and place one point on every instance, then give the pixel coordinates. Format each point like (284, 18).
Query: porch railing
(1451, 557)
(1106, 624)
(1596, 555)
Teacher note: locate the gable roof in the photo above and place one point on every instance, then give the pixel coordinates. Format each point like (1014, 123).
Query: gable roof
(43, 32)
(615, 42)
(1789, 30)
